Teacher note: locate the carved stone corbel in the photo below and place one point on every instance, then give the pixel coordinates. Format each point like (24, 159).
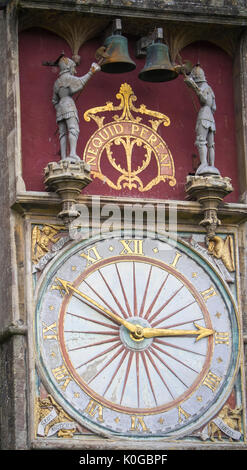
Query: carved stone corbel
(67, 180)
(209, 191)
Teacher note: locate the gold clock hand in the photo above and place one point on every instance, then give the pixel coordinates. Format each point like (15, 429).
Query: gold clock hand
(67, 286)
(201, 332)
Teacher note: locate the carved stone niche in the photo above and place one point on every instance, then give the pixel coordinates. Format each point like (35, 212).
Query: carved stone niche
(209, 191)
(67, 180)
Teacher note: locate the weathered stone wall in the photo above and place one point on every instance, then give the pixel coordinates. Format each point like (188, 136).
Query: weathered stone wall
(240, 90)
(13, 365)
(13, 392)
(231, 7)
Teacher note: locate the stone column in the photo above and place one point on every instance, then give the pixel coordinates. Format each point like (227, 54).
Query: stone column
(240, 102)
(240, 99)
(13, 347)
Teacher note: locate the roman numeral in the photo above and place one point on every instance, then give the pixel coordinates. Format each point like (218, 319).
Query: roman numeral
(182, 414)
(132, 247)
(93, 408)
(61, 375)
(92, 256)
(221, 337)
(212, 381)
(206, 294)
(176, 258)
(52, 329)
(138, 424)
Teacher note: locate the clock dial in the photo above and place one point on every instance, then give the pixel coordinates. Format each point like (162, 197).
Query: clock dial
(139, 339)
(108, 361)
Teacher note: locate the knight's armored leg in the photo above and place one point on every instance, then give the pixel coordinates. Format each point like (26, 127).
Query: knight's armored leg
(211, 152)
(201, 144)
(202, 150)
(73, 129)
(73, 138)
(63, 139)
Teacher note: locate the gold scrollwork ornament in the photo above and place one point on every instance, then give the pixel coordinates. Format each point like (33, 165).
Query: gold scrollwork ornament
(128, 132)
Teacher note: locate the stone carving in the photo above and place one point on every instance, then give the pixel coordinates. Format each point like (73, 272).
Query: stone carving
(209, 191)
(205, 124)
(67, 179)
(65, 87)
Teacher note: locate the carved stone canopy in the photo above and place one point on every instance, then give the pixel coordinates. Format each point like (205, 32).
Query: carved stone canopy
(209, 191)
(67, 180)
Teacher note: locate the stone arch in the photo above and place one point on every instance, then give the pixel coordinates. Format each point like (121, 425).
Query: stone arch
(74, 28)
(180, 36)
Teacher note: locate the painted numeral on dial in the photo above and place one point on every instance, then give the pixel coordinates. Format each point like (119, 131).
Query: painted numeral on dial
(212, 381)
(182, 414)
(93, 408)
(138, 424)
(176, 258)
(61, 375)
(206, 294)
(50, 331)
(92, 256)
(132, 247)
(221, 337)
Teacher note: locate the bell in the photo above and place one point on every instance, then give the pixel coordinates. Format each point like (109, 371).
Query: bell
(158, 67)
(118, 60)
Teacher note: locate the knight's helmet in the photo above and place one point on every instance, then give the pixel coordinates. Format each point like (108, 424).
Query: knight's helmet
(198, 74)
(66, 65)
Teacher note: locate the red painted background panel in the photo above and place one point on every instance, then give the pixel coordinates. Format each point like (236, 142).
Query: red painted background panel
(40, 143)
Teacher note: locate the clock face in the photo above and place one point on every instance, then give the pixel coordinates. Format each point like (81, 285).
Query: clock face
(135, 337)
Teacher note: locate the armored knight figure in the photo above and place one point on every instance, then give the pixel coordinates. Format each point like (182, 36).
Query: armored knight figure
(65, 87)
(205, 125)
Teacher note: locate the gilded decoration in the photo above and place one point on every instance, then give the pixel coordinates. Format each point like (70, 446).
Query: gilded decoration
(52, 419)
(223, 249)
(129, 132)
(220, 252)
(47, 241)
(42, 238)
(227, 423)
